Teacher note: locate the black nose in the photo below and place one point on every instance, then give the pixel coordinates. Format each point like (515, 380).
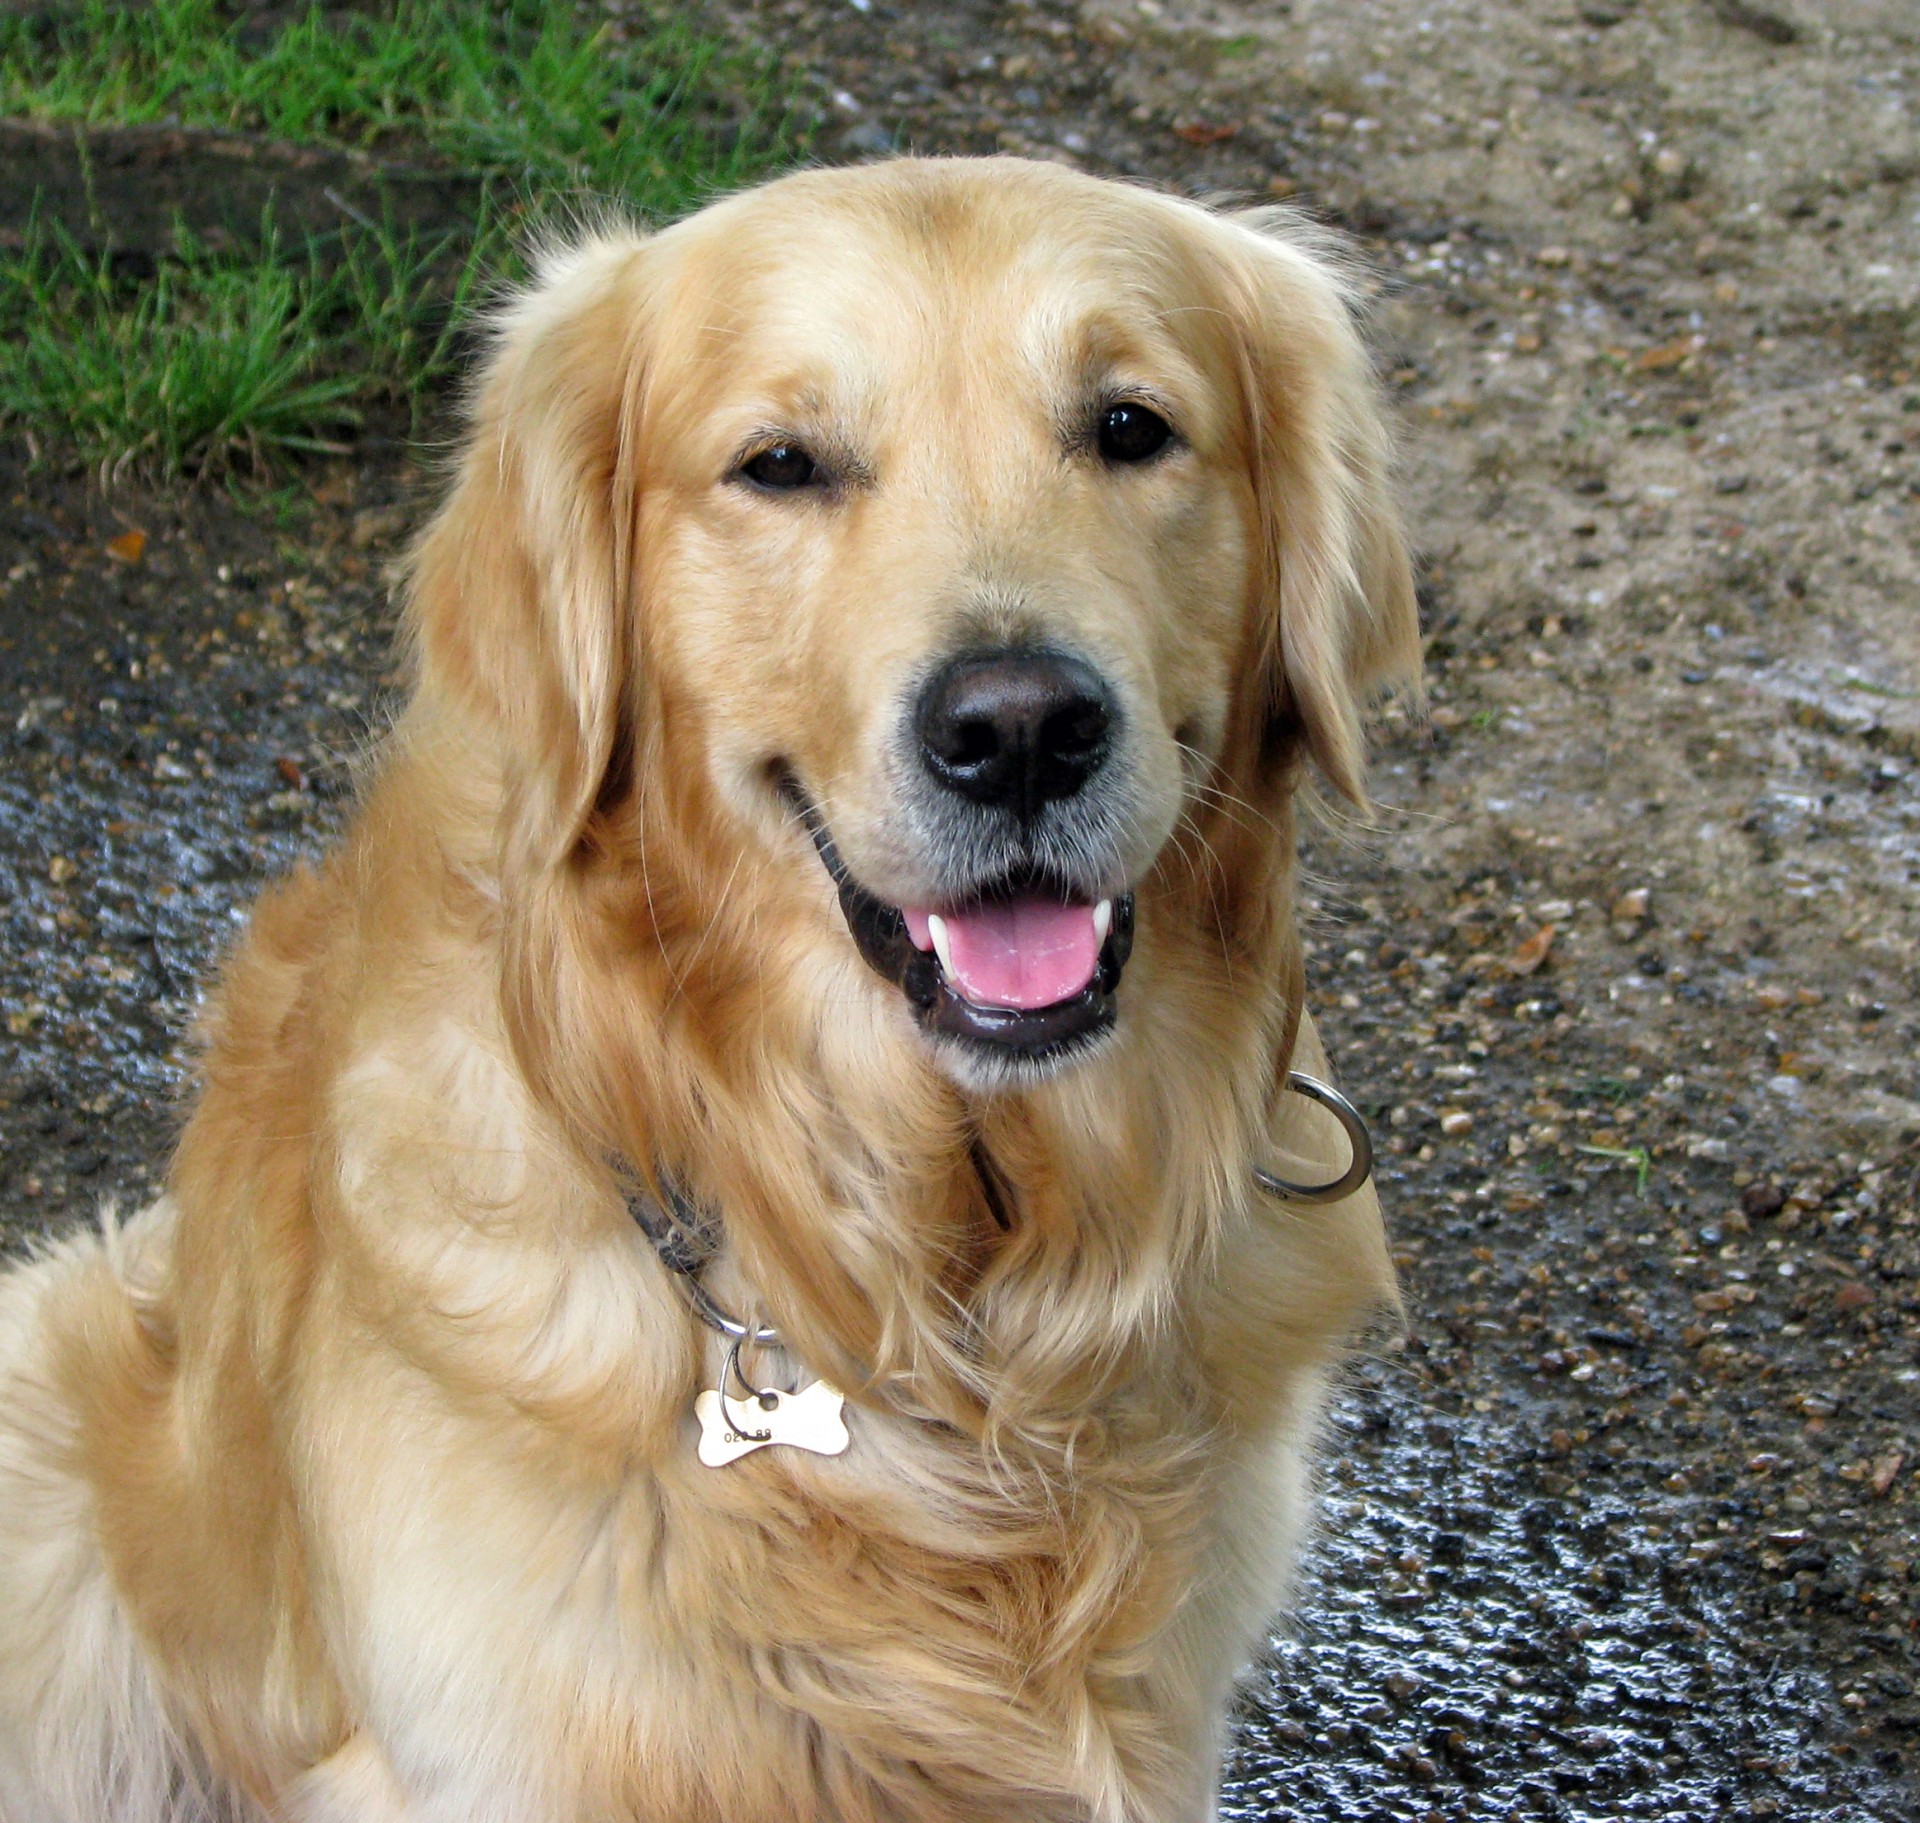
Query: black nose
(1015, 729)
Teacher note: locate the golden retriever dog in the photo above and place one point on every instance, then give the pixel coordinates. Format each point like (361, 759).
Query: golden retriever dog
(832, 880)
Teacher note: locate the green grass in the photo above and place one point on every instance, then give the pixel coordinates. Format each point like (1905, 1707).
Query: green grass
(219, 360)
(523, 90)
(1636, 1158)
(209, 360)
(237, 354)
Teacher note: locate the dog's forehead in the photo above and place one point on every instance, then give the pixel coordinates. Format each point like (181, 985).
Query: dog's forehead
(834, 286)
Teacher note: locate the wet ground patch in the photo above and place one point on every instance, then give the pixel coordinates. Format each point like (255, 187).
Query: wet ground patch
(184, 703)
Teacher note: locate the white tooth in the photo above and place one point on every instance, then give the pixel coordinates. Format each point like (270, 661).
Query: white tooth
(937, 930)
(1102, 920)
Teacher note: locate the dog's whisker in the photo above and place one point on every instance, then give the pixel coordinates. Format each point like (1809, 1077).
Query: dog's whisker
(708, 930)
(1204, 783)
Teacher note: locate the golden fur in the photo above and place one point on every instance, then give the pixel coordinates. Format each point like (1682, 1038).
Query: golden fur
(354, 1479)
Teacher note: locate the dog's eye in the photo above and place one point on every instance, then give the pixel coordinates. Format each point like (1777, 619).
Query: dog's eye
(1129, 432)
(784, 467)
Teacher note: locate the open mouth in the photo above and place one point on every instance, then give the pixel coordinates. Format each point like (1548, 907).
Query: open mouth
(1024, 967)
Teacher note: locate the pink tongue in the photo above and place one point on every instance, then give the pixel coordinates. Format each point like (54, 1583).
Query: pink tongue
(1020, 953)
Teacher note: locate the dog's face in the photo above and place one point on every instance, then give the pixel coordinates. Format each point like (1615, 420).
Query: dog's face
(957, 528)
(967, 527)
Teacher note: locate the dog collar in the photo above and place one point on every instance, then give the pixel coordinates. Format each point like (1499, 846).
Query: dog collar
(686, 1241)
(686, 1238)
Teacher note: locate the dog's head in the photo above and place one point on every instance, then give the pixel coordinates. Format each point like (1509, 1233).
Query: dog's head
(915, 557)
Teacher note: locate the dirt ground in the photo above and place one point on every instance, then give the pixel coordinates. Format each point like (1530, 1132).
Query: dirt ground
(1625, 970)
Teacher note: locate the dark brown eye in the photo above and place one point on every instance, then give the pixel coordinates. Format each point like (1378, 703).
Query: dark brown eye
(782, 468)
(1129, 432)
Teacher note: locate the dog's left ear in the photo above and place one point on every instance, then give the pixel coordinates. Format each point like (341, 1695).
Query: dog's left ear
(1340, 624)
(520, 606)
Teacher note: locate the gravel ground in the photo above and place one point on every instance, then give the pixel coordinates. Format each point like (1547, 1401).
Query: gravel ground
(1625, 970)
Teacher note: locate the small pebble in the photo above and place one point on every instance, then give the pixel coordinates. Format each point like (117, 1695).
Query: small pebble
(1630, 907)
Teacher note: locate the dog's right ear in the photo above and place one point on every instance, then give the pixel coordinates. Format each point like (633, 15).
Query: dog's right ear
(520, 604)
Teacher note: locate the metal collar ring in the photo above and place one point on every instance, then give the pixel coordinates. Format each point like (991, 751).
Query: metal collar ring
(1359, 1166)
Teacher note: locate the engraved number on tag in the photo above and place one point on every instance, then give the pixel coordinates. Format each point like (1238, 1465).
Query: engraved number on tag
(808, 1420)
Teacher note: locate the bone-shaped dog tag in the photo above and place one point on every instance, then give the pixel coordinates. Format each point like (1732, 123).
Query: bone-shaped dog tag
(808, 1420)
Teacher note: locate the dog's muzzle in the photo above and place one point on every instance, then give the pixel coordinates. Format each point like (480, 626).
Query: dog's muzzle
(957, 969)
(1010, 752)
